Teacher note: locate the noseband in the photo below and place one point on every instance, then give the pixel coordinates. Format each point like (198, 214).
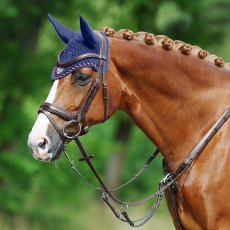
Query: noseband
(78, 118)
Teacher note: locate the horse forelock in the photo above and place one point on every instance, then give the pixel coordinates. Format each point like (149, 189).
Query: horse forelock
(166, 43)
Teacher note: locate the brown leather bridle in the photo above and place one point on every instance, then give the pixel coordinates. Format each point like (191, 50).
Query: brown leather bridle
(78, 119)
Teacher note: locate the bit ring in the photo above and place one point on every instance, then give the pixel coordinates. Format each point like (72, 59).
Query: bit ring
(71, 136)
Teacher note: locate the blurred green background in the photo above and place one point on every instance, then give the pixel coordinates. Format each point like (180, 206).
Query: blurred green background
(35, 195)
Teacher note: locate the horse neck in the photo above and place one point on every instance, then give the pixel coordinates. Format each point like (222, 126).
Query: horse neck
(172, 97)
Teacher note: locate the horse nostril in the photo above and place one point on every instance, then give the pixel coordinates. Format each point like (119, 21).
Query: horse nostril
(41, 148)
(42, 144)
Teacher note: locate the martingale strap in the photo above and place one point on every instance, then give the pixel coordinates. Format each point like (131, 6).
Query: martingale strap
(106, 192)
(87, 158)
(164, 184)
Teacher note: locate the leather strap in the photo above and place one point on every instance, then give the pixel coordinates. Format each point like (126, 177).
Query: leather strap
(41, 110)
(64, 114)
(199, 147)
(173, 190)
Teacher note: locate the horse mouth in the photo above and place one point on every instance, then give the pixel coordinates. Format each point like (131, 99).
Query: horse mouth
(56, 153)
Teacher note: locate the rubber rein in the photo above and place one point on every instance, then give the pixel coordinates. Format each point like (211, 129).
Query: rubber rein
(79, 120)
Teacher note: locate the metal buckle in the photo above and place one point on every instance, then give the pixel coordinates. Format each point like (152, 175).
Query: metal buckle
(124, 207)
(165, 178)
(69, 123)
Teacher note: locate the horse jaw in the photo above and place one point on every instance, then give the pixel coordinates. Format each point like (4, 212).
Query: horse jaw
(39, 141)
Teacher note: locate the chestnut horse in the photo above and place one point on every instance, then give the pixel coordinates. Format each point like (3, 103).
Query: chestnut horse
(173, 91)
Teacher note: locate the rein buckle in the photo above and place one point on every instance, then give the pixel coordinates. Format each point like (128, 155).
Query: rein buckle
(86, 158)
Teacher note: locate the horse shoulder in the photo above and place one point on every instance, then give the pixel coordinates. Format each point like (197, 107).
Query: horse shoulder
(204, 197)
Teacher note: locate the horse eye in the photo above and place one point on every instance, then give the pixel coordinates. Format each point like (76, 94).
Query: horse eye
(81, 79)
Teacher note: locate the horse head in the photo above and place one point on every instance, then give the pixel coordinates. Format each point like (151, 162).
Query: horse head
(78, 98)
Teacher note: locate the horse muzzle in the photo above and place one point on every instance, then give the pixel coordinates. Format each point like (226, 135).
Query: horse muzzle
(44, 149)
(40, 148)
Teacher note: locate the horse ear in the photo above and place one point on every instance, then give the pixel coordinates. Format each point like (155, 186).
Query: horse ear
(88, 34)
(65, 33)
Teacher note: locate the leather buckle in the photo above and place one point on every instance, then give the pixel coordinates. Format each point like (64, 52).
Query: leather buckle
(86, 158)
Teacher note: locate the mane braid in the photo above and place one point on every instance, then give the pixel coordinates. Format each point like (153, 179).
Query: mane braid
(166, 43)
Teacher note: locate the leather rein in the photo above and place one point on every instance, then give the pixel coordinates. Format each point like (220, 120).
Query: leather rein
(79, 120)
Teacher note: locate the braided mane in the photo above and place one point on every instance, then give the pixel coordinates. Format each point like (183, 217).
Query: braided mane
(166, 43)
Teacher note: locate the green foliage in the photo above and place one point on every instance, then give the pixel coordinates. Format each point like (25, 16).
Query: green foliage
(39, 195)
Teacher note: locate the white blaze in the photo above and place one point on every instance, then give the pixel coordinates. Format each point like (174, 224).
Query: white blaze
(41, 125)
(52, 93)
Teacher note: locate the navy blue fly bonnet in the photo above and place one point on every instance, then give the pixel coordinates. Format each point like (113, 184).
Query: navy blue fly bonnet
(78, 43)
